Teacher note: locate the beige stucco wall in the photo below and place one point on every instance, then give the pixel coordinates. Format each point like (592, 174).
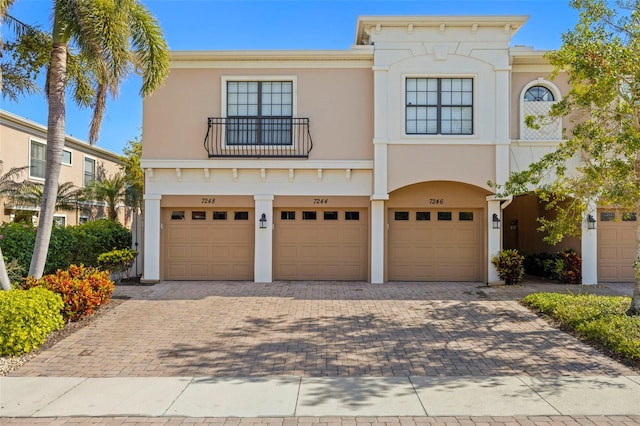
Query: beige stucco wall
(471, 164)
(519, 80)
(338, 102)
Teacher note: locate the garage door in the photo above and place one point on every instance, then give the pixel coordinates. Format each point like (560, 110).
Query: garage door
(317, 244)
(616, 246)
(435, 245)
(208, 244)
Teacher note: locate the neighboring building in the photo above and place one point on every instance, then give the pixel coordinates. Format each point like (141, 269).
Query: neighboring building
(24, 143)
(367, 164)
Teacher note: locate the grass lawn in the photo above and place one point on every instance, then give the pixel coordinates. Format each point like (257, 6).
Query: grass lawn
(599, 320)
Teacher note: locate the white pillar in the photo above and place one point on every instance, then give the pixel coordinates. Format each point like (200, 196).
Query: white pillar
(589, 247)
(494, 240)
(380, 171)
(263, 254)
(377, 241)
(151, 244)
(502, 140)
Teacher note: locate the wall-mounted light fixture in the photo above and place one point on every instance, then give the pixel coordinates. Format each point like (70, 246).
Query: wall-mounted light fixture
(263, 221)
(514, 225)
(496, 221)
(591, 222)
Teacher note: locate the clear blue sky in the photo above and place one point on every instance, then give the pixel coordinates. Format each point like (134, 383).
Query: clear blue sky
(266, 24)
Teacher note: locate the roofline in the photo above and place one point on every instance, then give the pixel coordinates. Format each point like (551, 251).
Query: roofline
(68, 139)
(355, 53)
(514, 22)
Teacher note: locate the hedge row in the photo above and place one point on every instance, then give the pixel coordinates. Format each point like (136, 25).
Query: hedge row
(69, 245)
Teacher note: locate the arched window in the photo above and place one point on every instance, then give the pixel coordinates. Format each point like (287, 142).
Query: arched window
(536, 100)
(538, 94)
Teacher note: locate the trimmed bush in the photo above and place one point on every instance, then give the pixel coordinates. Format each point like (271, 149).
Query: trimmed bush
(27, 318)
(69, 245)
(117, 261)
(596, 319)
(109, 235)
(510, 266)
(82, 289)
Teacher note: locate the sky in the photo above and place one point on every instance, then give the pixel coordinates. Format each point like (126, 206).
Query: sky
(271, 25)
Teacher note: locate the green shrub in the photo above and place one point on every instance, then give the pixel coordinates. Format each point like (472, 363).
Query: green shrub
(597, 319)
(510, 266)
(82, 289)
(109, 235)
(117, 261)
(69, 245)
(17, 243)
(565, 266)
(27, 318)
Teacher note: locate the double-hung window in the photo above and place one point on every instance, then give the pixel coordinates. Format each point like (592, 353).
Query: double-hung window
(259, 112)
(439, 106)
(37, 160)
(89, 170)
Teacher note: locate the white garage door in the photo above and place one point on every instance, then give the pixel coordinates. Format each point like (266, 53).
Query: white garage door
(208, 244)
(616, 246)
(320, 244)
(435, 245)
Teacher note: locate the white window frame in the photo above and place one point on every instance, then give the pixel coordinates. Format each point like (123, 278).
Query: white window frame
(84, 169)
(83, 219)
(60, 216)
(524, 130)
(44, 144)
(259, 78)
(70, 163)
(474, 109)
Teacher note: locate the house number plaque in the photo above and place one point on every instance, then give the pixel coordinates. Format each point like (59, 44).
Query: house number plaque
(438, 201)
(208, 200)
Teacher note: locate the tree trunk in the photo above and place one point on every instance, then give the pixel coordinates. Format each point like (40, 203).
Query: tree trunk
(55, 142)
(4, 278)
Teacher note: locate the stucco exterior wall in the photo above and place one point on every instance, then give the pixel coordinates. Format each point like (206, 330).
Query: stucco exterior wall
(338, 102)
(408, 164)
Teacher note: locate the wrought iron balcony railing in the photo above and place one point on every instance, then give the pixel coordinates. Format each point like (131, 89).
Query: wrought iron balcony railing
(258, 137)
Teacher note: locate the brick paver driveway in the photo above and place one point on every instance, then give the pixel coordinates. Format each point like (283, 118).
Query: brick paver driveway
(321, 329)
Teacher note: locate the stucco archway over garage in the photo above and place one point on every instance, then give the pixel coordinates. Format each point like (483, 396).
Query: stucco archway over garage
(436, 232)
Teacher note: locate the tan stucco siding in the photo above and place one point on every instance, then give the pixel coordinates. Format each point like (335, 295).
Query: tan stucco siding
(518, 82)
(338, 102)
(408, 164)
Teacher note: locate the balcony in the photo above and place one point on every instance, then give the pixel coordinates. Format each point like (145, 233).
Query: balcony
(258, 137)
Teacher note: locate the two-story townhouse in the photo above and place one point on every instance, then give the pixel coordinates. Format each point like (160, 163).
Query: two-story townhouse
(367, 164)
(24, 143)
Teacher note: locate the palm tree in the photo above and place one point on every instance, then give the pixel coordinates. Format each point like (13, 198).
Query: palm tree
(112, 191)
(8, 186)
(110, 38)
(69, 196)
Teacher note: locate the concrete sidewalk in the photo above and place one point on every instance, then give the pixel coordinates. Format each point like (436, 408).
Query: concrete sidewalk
(292, 396)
